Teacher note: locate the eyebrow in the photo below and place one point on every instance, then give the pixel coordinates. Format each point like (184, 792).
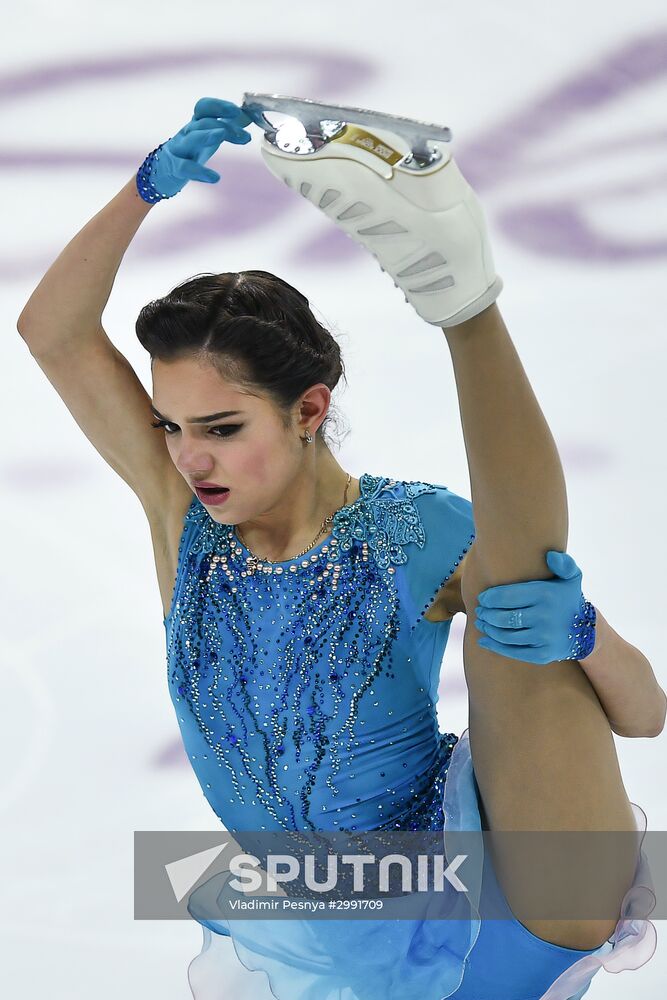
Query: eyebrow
(200, 420)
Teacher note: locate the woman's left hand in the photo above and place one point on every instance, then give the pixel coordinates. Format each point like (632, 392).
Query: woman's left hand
(539, 621)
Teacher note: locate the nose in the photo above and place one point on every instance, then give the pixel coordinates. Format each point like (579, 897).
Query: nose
(193, 464)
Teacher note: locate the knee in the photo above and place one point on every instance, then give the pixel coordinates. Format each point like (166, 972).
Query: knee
(483, 568)
(478, 574)
(580, 935)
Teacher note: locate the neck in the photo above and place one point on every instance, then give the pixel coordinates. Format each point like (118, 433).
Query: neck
(294, 522)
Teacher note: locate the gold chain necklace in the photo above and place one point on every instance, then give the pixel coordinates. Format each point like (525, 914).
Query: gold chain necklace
(254, 563)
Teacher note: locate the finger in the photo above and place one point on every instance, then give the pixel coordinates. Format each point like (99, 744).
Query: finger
(228, 129)
(508, 595)
(188, 145)
(236, 135)
(511, 637)
(245, 119)
(255, 115)
(191, 146)
(562, 564)
(514, 619)
(213, 107)
(192, 171)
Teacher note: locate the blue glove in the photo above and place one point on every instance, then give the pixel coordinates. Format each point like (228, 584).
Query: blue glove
(539, 621)
(180, 159)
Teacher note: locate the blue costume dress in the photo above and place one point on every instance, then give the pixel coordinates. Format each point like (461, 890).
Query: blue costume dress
(305, 692)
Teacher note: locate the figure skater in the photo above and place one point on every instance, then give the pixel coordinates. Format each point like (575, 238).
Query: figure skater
(307, 611)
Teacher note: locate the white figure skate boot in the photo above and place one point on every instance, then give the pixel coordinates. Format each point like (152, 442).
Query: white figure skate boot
(412, 209)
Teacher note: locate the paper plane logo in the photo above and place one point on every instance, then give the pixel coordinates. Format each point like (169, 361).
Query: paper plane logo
(183, 874)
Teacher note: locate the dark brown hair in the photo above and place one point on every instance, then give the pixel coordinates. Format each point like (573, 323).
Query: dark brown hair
(254, 328)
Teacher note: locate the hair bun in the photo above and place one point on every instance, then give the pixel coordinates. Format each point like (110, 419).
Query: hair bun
(257, 330)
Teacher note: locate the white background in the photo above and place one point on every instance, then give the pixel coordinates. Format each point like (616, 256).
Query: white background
(89, 740)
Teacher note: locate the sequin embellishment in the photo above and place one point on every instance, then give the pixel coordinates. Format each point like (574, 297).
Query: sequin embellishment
(583, 631)
(279, 676)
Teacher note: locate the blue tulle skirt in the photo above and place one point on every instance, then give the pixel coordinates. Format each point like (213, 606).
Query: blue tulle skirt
(463, 957)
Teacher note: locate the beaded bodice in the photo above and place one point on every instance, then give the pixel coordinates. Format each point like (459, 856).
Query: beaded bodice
(305, 691)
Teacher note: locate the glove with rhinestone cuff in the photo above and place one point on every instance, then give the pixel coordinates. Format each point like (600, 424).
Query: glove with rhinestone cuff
(180, 159)
(539, 621)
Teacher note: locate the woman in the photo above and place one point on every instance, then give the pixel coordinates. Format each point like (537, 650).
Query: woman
(306, 612)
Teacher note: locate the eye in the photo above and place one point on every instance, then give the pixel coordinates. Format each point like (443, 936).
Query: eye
(226, 430)
(163, 423)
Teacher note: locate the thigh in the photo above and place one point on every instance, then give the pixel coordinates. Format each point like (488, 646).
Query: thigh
(544, 759)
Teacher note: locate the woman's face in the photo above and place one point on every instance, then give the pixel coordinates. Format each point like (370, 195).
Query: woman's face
(249, 452)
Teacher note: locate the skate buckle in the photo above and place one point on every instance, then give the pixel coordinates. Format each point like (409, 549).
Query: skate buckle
(314, 124)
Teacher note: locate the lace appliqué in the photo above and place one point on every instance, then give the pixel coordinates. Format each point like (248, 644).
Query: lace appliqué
(387, 524)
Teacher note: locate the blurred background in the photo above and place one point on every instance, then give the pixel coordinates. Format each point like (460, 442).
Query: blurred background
(558, 122)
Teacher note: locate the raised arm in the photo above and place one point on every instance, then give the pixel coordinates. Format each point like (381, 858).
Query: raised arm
(67, 305)
(62, 321)
(69, 301)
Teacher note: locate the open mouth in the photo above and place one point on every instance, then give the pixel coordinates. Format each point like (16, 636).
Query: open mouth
(212, 494)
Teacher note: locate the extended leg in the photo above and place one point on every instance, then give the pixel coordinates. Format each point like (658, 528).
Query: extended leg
(543, 752)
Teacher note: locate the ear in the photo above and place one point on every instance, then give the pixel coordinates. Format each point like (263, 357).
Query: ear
(314, 405)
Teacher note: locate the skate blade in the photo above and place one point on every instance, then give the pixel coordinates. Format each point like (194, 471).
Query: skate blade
(317, 124)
